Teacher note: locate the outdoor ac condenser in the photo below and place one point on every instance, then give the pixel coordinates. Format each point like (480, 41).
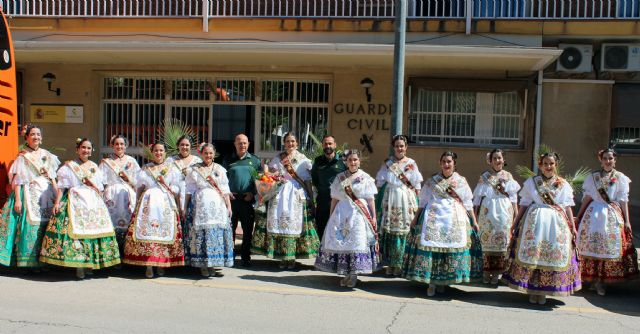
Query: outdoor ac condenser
(575, 58)
(620, 57)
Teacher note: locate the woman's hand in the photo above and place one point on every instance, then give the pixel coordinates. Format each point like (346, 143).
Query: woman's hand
(229, 211)
(475, 227)
(56, 208)
(17, 207)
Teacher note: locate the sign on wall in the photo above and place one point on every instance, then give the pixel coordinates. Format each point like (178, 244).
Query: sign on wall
(41, 113)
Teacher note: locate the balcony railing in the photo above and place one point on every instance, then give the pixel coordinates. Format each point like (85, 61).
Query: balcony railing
(354, 9)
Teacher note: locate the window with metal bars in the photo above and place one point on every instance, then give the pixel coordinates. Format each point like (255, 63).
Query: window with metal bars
(298, 106)
(215, 108)
(466, 118)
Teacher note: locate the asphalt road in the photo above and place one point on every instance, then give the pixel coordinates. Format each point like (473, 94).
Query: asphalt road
(264, 299)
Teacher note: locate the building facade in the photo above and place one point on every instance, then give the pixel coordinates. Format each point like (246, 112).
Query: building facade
(480, 74)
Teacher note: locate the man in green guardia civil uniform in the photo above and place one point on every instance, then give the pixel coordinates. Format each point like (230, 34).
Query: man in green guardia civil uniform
(324, 170)
(241, 167)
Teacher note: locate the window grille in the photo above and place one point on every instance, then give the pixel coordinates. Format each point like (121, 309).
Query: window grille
(216, 108)
(466, 118)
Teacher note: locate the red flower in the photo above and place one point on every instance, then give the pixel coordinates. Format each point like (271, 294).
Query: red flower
(409, 167)
(613, 180)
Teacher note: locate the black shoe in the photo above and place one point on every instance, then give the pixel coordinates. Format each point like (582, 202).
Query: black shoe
(246, 263)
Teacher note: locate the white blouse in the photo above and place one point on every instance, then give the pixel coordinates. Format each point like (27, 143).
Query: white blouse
(363, 186)
(410, 170)
(67, 178)
(458, 183)
(300, 163)
(618, 191)
(484, 189)
(529, 194)
(23, 172)
(195, 181)
(172, 177)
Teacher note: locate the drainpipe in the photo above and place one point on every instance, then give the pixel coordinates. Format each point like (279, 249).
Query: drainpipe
(398, 67)
(469, 13)
(205, 15)
(536, 139)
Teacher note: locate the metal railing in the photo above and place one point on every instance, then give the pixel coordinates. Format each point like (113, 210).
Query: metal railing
(378, 9)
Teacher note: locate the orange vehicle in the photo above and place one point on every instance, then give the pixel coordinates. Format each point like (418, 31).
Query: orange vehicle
(8, 109)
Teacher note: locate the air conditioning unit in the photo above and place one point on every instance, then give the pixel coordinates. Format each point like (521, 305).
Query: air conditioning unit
(575, 58)
(619, 57)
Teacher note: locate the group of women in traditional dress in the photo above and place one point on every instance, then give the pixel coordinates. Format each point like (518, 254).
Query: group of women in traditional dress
(176, 211)
(440, 232)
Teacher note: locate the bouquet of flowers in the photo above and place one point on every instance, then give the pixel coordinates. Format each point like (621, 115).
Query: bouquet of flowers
(268, 186)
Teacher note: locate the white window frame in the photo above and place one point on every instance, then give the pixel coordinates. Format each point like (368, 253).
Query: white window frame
(484, 114)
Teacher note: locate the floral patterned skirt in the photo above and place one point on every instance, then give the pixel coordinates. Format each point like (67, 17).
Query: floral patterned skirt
(611, 271)
(210, 246)
(59, 249)
(427, 266)
(144, 253)
(20, 240)
(347, 263)
(494, 264)
(392, 246)
(286, 247)
(541, 281)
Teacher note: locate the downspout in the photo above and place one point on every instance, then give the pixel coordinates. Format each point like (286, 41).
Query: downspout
(536, 138)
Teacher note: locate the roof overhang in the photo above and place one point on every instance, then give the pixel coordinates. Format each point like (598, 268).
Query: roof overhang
(440, 57)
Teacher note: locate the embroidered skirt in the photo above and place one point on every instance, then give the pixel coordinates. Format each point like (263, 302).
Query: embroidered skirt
(20, 240)
(58, 248)
(347, 263)
(210, 246)
(286, 247)
(541, 281)
(427, 266)
(144, 253)
(611, 271)
(392, 247)
(494, 264)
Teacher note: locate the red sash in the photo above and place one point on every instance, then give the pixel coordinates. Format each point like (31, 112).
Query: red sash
(397, 171)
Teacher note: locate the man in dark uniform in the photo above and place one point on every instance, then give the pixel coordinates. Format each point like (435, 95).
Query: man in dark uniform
(241, 167)
(324, 170)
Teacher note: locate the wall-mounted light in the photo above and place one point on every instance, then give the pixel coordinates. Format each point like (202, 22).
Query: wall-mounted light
(49, 78)
(367, 83)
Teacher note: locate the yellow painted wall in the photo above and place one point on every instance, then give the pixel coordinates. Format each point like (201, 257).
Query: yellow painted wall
(575, 121)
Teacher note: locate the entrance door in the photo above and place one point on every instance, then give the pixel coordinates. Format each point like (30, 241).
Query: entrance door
(228, 120)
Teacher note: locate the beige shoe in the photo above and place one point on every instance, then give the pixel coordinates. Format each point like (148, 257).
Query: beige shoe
(542, 300)
(282, 264)
(160, 271)
(204, 271)
(291, 264)
(533, 299)
(397, 271)
(600, 290)
(495, 279)
(485, 278)
(149, 272)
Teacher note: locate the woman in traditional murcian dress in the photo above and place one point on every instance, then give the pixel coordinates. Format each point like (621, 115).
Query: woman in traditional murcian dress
(443, 247)
(605, 239)
(183, 161)
(81, 234)
(399, 181)
(349, 245)
(31, 204)
(209, 227)
(542, 259)
(289, 233)
(495, 200)
(154, 238)
(120, 172)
